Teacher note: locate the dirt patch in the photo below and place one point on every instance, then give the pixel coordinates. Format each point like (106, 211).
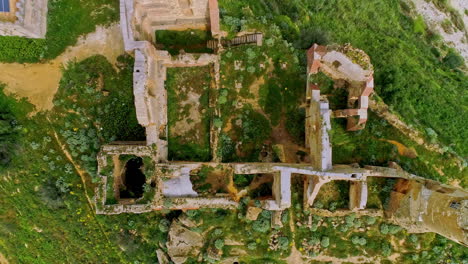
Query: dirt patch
(188, 123)
(189, 91)
(3, 260)
(39, 82)
(118, 170)
(402, 149)
(280, 135)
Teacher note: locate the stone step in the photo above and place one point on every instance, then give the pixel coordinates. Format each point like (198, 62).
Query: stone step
(167, 22)
(151, 6)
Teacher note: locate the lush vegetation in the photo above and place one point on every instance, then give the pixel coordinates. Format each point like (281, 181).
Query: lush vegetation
(48, 160)
(44, 202)
(413, 69)
(66, 21)
(193, 41)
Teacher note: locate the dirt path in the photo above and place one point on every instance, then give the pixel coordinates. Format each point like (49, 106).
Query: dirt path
(296, 256)
(77, 167)
(39, 81)
(82, 174)
(402, 149)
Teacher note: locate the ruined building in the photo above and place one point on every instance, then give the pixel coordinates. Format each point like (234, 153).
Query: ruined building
(418, 204)
(23, 18)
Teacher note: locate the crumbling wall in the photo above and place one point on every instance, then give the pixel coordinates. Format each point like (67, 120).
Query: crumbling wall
(430, 207)
(345, 63)
(31, 20)
(152, 15)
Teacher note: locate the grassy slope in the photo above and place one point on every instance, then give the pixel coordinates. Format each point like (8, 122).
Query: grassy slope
(409, 73)
(45, 217)
(66, 21)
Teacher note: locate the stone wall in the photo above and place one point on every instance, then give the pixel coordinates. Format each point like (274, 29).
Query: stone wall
(31, 20)
(345, 63)
(152, 15)
(429, 206)
(174, 189)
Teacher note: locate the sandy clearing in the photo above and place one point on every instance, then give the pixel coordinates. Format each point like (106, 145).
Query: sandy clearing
(39, 82)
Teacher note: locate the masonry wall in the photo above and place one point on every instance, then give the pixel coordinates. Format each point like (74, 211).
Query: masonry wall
(429, 206)
(31, 20)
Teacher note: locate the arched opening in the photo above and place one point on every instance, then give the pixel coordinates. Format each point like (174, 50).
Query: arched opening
(133, 179)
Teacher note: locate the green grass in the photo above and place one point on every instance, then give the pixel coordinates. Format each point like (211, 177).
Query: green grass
(66, 21)
(194, 142)
(192, 41)
(43, 208)
(410, 73)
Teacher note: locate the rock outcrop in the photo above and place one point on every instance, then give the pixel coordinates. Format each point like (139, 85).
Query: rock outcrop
(183, 243)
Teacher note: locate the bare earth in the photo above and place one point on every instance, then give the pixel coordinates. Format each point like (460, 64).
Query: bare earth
(3, 260)
(39, 81)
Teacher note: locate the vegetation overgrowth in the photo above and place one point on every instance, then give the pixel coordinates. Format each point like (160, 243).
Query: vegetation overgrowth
(414, 73)
(189, 113)
(44, 206)
(193, 41)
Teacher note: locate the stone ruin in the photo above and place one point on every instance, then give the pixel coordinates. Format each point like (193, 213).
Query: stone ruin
(417, 204)
(27, 18)
(348, 67)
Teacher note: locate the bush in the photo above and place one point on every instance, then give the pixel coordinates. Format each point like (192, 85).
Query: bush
(386, 250)
(325, 242)
(261, 225)
(283, 243)
(370, 220)
(393, 229)
(219, 244)
(453, 60)
(384, 229)
(252, 246)
(164, 225)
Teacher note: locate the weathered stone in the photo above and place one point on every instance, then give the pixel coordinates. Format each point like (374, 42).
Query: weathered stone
(31, 20)
(276, 219)
(187, 221)
(183, 243)
(253, 212)
(162, 257)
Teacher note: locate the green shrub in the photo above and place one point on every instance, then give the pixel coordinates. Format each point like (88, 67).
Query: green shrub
(283, 243)
(164, 225)
(261, 225)
(325, 242)
(219, 244)
(453, 60)
(370, 220)
(252, 246)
